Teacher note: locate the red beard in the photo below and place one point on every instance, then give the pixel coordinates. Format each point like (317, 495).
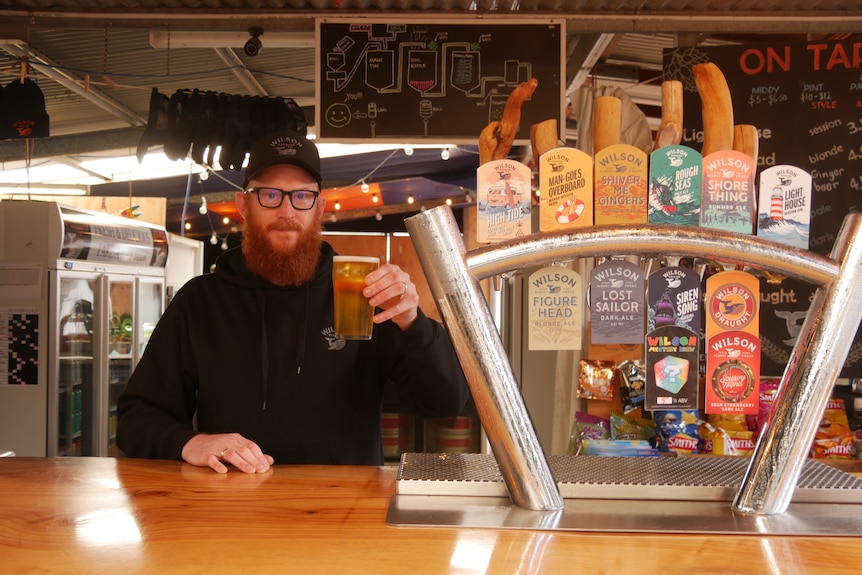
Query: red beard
(283, 267)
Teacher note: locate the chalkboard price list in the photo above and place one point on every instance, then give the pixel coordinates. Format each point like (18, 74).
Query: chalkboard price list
(766, 99)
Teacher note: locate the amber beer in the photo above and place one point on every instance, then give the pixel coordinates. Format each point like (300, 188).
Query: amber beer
(353, 314)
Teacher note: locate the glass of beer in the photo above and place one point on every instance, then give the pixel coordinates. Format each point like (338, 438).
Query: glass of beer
(353, 314)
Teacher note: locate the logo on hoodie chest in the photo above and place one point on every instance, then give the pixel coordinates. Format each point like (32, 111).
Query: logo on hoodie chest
(333, 343)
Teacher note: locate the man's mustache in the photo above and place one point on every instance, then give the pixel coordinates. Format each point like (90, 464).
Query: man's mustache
(286, 226)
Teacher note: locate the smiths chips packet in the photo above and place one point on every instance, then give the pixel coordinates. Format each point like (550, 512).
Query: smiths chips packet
(720, 441)
(676, 431)
(833, 439)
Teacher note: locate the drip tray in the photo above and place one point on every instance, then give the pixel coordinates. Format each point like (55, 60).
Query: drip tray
(621, 494)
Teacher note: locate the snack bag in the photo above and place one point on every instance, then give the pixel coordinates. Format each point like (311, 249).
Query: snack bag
(627, 426)
(729, 421)
(632, 382)
(833, 439)
(596, 379)
(676, 431)
(768, 391)
(719, 441)
(619, 448)
(587, 426)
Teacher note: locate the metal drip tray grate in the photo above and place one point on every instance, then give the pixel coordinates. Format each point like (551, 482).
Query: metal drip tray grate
(640, 478)
(621, 494)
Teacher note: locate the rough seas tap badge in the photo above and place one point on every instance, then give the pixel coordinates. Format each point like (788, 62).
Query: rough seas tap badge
(621, 185)
(784, 209)
(673, 334)
(503, 199)
(733, 343)
(617, 303)
(556, 311)
(566, 185)
(675, 182)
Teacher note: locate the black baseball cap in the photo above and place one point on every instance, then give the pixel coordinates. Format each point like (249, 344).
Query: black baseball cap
(284, 147)
(24, 114)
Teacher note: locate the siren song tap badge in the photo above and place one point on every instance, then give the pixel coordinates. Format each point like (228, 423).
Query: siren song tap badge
(672, 340)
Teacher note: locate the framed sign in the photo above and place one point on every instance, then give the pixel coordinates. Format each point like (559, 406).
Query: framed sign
(436, 81)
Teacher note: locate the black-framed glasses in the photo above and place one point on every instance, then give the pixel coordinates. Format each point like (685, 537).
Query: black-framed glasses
(274, 197)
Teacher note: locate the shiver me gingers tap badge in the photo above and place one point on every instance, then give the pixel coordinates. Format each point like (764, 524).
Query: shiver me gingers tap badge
(733, 343)
(555, 309)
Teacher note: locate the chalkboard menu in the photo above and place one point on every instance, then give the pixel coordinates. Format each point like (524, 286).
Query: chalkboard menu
(805, 98)
(436, 82)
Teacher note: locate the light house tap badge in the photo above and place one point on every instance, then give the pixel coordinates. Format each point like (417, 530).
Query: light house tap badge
(672, 340)
(733, 343)
(555, 309)
(784, 213)
(617, 303)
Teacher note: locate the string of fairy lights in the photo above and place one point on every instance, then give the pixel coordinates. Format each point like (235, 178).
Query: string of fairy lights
(362, 183)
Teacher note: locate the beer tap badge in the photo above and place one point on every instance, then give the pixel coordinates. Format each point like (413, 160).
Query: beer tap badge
(733, 343)
(733, 306)
(672, 340)
(617, 303)
(555, 309)
(503, 200)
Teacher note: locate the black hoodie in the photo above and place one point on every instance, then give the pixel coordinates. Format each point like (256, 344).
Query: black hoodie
(246, 356)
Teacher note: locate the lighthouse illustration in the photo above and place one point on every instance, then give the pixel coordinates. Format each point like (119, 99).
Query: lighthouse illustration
(776, 207)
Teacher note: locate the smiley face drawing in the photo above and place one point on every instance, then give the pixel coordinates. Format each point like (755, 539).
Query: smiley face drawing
(337, 115)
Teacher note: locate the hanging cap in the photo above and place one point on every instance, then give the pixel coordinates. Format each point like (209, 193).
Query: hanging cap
(24, 114)
(284, 147)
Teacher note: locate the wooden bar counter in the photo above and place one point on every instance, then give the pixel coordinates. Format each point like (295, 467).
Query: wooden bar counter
(103, 515)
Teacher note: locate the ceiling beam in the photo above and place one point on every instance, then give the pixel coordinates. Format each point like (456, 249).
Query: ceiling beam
(585, 52)
(72, 163)
(72, 144)
(238, 69)
(791, 19)
(52, 70)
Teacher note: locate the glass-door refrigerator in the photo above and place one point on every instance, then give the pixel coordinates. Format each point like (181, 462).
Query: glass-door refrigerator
(80, 293)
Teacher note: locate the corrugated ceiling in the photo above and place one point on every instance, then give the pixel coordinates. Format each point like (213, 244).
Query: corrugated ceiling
(99, 67)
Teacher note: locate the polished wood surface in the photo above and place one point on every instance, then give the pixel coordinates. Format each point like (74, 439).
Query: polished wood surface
(103, 515)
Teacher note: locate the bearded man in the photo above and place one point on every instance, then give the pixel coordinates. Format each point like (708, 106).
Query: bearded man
(244, 367)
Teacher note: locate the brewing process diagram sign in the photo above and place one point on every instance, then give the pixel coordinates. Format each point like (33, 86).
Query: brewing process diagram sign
(437, 81)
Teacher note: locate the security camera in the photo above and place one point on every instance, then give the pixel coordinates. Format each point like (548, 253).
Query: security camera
(253, 45)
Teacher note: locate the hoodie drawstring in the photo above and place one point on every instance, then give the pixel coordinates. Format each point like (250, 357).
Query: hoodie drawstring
(264, 345)
(264, 340)
(300, 345)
